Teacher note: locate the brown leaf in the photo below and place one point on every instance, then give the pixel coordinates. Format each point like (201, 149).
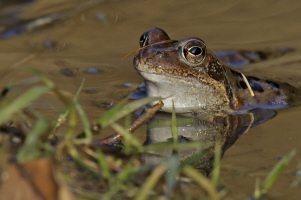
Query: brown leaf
(31, 180)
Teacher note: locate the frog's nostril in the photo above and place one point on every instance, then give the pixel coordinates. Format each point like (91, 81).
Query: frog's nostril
(136, 60)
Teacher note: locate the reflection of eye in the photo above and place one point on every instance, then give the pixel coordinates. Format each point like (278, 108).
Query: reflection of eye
(144, 39)
(194, 52)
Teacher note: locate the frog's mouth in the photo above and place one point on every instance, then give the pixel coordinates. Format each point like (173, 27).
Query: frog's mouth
(146, 70)
(157, 73)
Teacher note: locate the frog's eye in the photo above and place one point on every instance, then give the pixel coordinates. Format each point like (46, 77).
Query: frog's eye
(194, 53)
(144, 39)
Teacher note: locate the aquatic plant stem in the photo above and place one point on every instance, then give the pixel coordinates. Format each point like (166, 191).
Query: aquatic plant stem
(151, 181)
(147, 115)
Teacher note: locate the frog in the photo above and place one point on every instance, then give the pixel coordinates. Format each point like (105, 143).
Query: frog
(190, 78)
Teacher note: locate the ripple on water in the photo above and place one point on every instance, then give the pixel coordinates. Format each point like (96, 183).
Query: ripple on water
(68, 72)
(49, 45)
(120, 94)
(130, 85)
(123, 90)
(81, 69)
(91, 90)
(94, 71)
(77, 71)
(103, 104)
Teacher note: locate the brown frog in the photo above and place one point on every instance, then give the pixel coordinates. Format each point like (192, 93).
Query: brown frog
(189, 75)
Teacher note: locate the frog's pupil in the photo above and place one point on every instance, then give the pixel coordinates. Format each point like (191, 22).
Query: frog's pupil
(195, 51)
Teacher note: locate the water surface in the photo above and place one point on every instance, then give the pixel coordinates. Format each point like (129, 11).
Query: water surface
(90, 44)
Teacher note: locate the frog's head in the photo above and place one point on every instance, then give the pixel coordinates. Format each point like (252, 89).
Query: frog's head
(183, 71)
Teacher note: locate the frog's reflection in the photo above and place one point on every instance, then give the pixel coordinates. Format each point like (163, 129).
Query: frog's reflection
(206, 129)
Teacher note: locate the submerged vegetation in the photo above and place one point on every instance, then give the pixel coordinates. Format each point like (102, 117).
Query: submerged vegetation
(76, 166)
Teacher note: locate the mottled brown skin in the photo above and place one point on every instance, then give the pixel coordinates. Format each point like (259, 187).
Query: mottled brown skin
(188, 64)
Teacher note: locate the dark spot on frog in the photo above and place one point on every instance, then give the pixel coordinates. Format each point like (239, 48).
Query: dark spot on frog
(277, 92)
(273, 84)
(252, 78)
(256, 87)
(242, 84)
(224, 69)
(293, 92)
(235, 73)
(220, 120)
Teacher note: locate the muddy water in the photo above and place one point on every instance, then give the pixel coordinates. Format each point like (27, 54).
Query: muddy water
(89, 45)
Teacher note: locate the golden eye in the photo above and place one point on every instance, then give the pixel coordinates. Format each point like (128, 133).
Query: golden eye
(194, 52)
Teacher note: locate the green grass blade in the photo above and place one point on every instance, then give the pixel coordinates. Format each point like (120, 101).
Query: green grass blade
(193, 158)
(79, 90)
(163, 146)
(217, 165)
(168, 122)
(171, 175)
(257, 192)
(51, 85)
(174, 127)
(72, 123)
(82, 115)
(21, 102)
(101, 159)
(129, 139)
(85, 122)
(125, 174)
(121, 110)
(151, 181)
(276, 172)
(202, 181)
(70, 110)
(30, 149)
(41, 77)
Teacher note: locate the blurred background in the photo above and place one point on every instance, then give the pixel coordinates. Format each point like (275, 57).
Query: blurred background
(72, 40)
